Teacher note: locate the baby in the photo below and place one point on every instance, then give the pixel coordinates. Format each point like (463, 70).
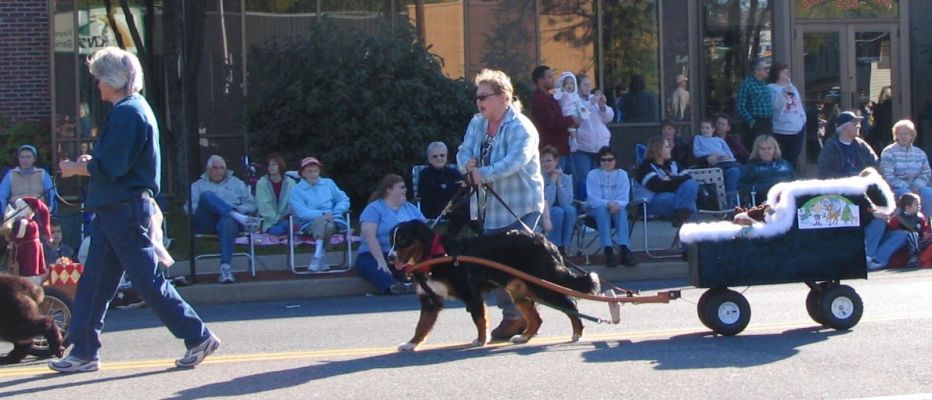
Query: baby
(570, 103)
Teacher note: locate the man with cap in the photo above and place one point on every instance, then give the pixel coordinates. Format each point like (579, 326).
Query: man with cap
(320, 207)
(220, 204)
(845, 154)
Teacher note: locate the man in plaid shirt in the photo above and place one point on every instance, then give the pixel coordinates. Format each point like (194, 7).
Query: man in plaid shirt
(500, 150)
(754, 103)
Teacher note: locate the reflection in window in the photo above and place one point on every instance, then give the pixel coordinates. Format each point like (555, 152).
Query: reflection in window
(502, 34)
(631, 57)
(734, 33)
(835, 9)
(567, 36)
(920, 56)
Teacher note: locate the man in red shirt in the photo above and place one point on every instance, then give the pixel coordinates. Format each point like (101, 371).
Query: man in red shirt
(547, 117)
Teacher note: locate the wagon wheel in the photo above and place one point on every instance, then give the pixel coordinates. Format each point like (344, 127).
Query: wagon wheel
(841, 307)
(57, 305)
(812, 302)
(725, 311)
(703, 301)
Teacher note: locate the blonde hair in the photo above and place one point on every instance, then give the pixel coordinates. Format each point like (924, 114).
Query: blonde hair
(904, 123)
(500, 83)
(654, 147)
(762, 140)
(118, 68)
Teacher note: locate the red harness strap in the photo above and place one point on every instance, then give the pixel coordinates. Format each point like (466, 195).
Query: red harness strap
(436, 251)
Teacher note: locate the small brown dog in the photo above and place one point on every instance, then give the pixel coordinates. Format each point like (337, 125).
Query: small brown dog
(21, 321)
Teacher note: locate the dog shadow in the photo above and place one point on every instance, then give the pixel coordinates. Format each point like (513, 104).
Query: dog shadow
(277, 380)
(707, 350)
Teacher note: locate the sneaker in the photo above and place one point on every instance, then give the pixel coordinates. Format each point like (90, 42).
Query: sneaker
(317, 265)
(73, 364)
(873, 265)
(198, 353)
(226, 274)
(401, 288)
(127, 299)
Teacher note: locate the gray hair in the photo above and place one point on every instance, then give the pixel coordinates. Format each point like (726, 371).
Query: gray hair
(215, 160)
(436, 146)
(117, 68)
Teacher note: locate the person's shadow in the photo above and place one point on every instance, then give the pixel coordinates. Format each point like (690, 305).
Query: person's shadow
(276, 380)
(705, 350)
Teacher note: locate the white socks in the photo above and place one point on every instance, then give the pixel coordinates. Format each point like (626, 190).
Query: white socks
(241, 218)
(319, 251)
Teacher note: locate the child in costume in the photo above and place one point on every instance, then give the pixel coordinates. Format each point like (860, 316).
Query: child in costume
(570, 103)
(24, 234)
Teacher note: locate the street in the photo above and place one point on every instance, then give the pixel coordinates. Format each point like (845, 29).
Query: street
(339, 348)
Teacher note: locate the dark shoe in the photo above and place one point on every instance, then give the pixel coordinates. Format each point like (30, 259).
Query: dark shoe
(627, 258)
(680, 216)
(508, 329)
(127, 299)
(610, 260)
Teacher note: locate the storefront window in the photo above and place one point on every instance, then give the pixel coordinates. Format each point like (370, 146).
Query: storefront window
(568, 36)
(443, 32)
(502, 34)
(920, 53)
(677, 100)
(630, 48)
(843, 9)
(735, 32)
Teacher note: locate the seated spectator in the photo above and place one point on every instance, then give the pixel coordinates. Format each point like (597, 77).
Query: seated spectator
(668, 191)
(438, 184)
(723, 130)
(717, 154)
(320, 207)
(910, 219)
(608, 190)
(55, 249)
(906, 167)
(560, 217)
(845, 153)
(880, 242)
(387, 207)
(272, 194)
(765, 169)
(220, 203)
(680, 146)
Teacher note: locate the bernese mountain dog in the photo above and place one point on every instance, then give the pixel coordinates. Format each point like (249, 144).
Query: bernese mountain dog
(21, 320)
(414, 242)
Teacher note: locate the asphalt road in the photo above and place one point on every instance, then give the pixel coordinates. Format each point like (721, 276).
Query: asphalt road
(345, 348)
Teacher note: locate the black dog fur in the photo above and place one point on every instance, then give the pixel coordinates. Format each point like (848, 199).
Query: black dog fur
(20, 319)
(532, 254)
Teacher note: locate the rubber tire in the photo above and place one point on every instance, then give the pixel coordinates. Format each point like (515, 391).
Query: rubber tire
(701, 304)
(841, 307)
(57, 305)
(812, 303)
(727, 302)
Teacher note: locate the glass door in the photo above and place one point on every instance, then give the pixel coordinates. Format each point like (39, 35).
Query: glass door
(842, 67)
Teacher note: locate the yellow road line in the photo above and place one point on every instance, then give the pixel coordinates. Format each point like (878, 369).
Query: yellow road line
(376, 351)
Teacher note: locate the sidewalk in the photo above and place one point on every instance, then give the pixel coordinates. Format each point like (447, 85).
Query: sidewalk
(274, 280)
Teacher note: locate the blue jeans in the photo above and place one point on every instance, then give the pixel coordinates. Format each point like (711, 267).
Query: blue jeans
(563, 219)
(213, 218)
(368, 268)
(583, 162)
(279, 229)
(925, 197)
(604, 221)
(880, 243)
(732, 173)
(119, 243)
(663, 204)
(502, 299)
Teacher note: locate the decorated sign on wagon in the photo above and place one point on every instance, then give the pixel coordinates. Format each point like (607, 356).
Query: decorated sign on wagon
(828, 211)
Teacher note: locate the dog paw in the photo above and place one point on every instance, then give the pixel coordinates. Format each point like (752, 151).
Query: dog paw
(575, 338)
(479, 343)
(407, 346)
(520, 339)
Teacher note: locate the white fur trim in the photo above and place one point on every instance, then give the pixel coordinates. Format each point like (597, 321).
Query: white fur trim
(782, 197)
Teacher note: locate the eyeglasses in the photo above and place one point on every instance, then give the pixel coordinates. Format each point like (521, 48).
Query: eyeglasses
(438, 156)
(606, 159)
(482, 97)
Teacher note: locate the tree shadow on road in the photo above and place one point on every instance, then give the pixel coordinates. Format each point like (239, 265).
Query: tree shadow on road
(705, 350)
(276, 380)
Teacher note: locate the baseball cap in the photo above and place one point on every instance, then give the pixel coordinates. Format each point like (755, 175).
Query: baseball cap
(846, 117)
(307, 161)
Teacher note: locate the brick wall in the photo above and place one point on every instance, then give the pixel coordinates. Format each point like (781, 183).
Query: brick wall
(25, 87)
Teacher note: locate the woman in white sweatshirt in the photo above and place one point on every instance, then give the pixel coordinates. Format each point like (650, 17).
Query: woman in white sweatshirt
(789, 117)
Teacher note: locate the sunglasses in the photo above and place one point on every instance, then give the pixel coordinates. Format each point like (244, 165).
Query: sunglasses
(606, 159)
(438, 156)
(482, 97)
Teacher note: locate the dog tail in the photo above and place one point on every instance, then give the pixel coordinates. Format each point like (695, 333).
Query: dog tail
(588, 283)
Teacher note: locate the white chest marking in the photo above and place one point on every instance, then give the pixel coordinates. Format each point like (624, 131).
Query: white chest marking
(438, 287)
